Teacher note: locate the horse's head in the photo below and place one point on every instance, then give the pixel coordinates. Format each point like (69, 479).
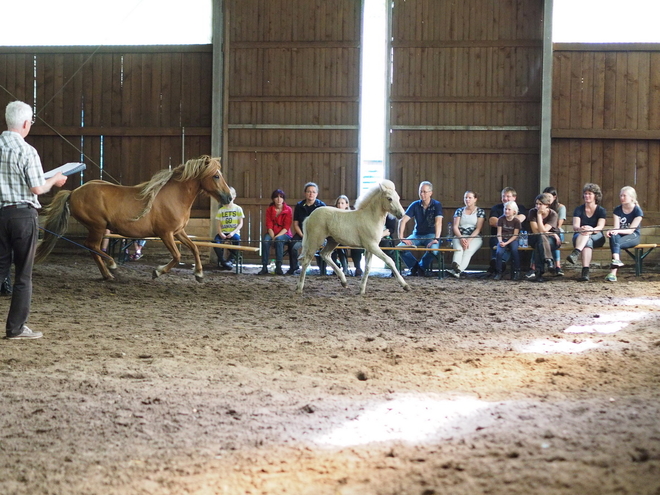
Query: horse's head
(391, 200)
(212, 181)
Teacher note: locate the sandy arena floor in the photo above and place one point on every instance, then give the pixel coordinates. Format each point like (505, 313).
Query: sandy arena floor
(238, 386)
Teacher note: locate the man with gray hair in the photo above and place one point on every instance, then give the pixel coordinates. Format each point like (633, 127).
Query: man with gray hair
(427, 213)
(21, 181)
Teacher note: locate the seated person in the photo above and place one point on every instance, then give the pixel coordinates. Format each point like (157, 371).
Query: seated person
(229, 221)
(508, 228)
(279, 217)
(508, 194)
(427, 213)
(468, 222)
(588, 223)
(625, 234)
(302, 210)
(545, 235)
(343, 203)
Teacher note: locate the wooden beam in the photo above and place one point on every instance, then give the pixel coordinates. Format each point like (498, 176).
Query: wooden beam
(643, 134)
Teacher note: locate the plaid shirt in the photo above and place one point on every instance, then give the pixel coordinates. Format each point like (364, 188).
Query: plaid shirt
(20, 170)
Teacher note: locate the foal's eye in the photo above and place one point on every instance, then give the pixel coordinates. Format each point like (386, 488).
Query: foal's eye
(216, 176)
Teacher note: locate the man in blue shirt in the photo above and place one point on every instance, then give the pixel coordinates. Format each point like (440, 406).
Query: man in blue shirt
(427, 213)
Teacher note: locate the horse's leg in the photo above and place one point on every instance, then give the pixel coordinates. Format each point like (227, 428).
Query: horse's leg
(378, 252)
(185, 240)
(168, 241)
(367, 269)
(93, 243)
(307, 255)
(326, 255)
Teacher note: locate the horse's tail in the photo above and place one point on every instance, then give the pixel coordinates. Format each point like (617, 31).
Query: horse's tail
(57, 222)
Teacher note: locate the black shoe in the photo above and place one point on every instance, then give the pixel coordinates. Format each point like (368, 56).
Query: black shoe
(573, 257)
(550, 265)
(264, 271)
(530, 275)
(292, 270)
(278, 271)
(498, 276)
(539, 279)
(5, 288)
(225, 266)
(358, 272)
(516, 275)
(559, 272)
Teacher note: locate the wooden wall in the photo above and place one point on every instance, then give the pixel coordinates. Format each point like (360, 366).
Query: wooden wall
(465, 98)
(138, 101)
(606, 122)
(293, 87)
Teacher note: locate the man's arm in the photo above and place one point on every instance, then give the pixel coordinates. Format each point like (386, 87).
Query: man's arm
(56, 180)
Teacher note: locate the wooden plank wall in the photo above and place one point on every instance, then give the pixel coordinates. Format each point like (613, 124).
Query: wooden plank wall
(465, 98)
(606, 122)
(137, 101)
(293, 111)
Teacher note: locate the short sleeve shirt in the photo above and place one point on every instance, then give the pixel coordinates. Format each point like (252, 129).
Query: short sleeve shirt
(625, 220)
(303, 210)
(229, 217)
(424, 218)
(508, 226)
(20, 170)
(592, 221)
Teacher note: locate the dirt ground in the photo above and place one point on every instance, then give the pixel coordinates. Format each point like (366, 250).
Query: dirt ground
(238, 386)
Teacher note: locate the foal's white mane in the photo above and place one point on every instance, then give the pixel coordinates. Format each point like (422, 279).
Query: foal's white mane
(363, 201)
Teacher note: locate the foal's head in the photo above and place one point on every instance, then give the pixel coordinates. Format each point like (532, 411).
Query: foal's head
(383, 197)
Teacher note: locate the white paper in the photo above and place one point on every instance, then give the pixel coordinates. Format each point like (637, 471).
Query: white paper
(67, 169)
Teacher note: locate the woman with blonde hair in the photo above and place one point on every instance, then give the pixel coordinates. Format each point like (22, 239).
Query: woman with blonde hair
(626, 233)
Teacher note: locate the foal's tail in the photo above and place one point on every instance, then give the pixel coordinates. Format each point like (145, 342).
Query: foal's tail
(57, 222)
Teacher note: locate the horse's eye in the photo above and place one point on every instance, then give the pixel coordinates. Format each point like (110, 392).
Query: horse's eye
(217, 176)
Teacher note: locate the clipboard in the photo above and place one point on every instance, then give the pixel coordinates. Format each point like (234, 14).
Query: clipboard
(66, 169)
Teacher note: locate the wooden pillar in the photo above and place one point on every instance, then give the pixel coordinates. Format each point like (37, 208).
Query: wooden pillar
(546, 98)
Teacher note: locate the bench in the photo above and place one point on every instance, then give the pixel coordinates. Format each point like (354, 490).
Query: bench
(641, 251)
(126, 242)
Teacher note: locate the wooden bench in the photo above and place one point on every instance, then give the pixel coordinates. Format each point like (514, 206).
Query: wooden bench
(397, 256)
(641, 251)
(126, 242)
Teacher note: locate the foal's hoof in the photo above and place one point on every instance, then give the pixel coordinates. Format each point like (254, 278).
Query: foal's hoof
(155, 274)
(199, 278)
(406, 288)
(344, 284)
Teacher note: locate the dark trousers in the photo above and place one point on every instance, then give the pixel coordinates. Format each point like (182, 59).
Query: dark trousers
(235, 239)
(19, 230)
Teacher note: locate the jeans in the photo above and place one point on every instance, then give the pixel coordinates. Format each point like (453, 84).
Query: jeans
(235, 239)
(279, 242)
(420, 241)
(501, 251)
(619, 242)
(543, 245)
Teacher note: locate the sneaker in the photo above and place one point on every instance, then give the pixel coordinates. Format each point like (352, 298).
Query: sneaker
(455, 267)
(292, 270)
(26, 333)
(278, 271)
(454, 273)
(498, 276)
(559, 272)
(616, 264)
(516, 275)
(610, 277)
(573, 257)
(225, 266)
(530, 275)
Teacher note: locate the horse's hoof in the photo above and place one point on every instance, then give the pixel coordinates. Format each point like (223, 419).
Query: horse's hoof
(344, 284)
(199, 278)
(155, 274)
(406, 287)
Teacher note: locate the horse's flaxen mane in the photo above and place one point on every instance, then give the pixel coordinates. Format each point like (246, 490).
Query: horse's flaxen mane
(198, 168)
(366, 198)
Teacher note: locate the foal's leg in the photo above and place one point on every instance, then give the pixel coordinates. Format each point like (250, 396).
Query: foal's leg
(93, 243)
(378, 252)
(168, 241)
(367, 269)
(309, 247)
(326, 254)
(185, 240)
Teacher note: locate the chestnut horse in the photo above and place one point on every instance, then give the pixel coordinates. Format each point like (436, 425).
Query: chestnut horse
(158, 208)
